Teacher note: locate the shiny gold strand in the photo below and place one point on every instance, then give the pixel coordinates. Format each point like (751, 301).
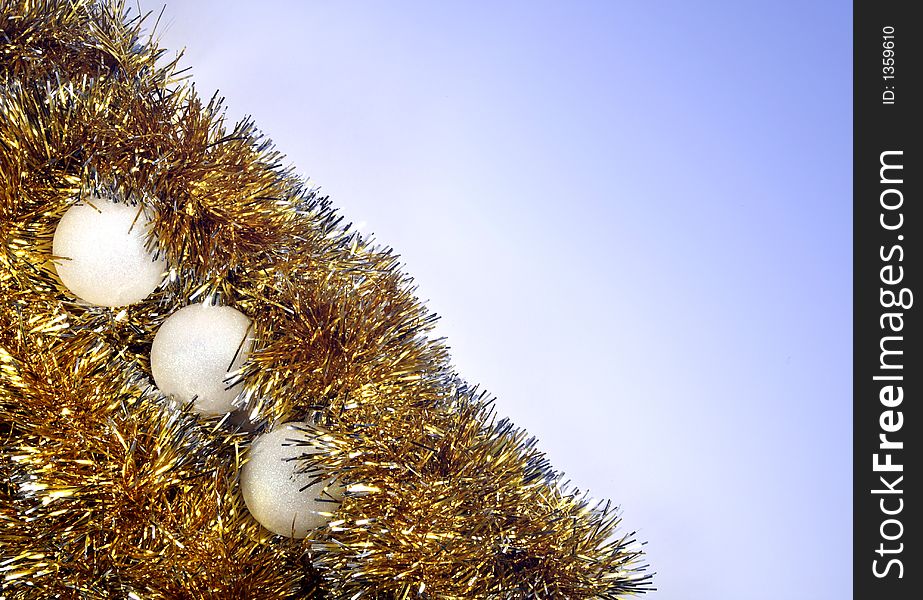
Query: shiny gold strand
(106, 491)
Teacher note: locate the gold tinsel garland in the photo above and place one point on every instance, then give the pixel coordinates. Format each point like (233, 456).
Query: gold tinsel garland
(107, 491)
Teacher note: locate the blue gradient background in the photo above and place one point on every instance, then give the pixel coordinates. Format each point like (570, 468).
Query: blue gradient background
(635, 219)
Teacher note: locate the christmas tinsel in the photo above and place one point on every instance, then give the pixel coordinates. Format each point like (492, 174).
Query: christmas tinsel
(108, 490)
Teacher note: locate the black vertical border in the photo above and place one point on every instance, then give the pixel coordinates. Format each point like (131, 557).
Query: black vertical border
(878, 127)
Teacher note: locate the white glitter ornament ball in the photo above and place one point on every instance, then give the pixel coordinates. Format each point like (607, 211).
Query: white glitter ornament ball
(195, 352)
(272, 488)
(100, 255)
